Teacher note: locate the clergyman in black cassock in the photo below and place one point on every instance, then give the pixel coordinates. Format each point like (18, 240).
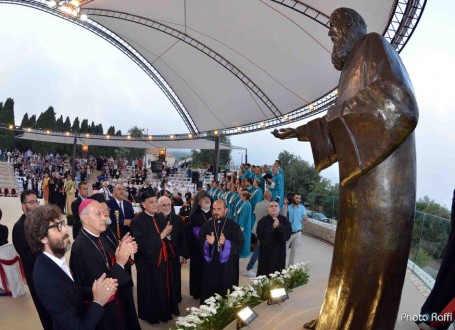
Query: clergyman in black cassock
(156, 293)
(220, 240)
(272, 239)
(200, 214)
(92, 255)
(178, 242)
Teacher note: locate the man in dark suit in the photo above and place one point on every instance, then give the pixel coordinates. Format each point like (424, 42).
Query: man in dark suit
(125, 211)
(54, 284)
(29, 202)
(83, 194)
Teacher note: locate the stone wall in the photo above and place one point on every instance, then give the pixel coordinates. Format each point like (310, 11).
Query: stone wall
(319, 229)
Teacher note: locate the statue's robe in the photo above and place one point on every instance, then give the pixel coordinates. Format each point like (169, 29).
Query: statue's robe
(369, 132)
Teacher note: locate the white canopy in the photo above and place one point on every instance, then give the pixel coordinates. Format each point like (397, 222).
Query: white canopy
(238, 65)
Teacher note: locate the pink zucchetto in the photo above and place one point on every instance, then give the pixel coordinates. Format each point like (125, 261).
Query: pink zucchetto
(84, 204)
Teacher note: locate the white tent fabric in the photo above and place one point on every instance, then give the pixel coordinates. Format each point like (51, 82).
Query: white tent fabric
(237, 62)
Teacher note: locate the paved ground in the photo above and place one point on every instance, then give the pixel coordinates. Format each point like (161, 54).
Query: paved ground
(303, 305)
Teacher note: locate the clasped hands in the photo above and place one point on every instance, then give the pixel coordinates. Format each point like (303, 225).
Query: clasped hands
(211, 239)
(276, 222)
(103, 288)
(125, 249)
(166, 231)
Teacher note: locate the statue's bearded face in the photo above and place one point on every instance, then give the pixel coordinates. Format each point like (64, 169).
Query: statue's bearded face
(343, 40)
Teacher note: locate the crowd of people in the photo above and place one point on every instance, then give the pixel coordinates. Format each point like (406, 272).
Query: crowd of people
(214, 228)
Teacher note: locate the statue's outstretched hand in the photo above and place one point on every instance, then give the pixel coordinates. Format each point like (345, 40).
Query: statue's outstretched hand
(284, 133)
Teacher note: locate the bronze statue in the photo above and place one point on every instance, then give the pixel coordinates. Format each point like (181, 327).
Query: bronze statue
(369, 132)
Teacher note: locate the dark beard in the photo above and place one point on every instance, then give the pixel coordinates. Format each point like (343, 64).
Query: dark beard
(340, 54)
(343, 46)
(58, 247)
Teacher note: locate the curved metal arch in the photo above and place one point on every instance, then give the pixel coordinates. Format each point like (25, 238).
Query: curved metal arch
(123, 46)
(308, 11)
(403, 22)
(194, 43)
(400, 28)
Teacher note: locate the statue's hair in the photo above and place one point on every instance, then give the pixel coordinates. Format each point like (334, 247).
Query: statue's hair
(351, 17)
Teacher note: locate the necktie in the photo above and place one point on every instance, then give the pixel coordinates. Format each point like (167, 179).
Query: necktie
(120, 204)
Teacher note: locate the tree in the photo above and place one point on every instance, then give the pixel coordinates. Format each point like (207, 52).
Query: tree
(429, 206)
(118, 133)
(25, 121)
(76, 128)
(7, 118)
(99, 129)
(201, 157)
(59, 124)
(300, 176)
(84, 126)
(111, 130)
(32, 121)
(67, 124)
(136, 153)
(46, 119)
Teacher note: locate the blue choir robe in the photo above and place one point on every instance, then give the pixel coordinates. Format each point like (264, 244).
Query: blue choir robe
(211, 191)
(224, 196)
(228, 201)
(256, 196)
(217, 194)
(261, 179)
(233, 201)
(278, 188)
(248, 174)
(243, 218)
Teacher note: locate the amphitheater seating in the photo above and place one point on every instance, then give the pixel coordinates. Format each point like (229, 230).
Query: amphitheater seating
(13, 192)
(6, 192)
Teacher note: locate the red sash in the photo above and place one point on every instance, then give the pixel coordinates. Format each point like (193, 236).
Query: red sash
(164, 254)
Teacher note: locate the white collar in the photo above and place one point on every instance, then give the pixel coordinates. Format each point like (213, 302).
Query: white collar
(59, 261)
(88, 231)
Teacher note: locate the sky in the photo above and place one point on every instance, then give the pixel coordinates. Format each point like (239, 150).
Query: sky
(46, 61)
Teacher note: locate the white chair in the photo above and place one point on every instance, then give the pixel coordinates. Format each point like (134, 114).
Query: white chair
(11, 271)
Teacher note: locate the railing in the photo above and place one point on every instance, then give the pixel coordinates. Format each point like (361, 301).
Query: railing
(325, 204)
(429, 238)
(429, 241)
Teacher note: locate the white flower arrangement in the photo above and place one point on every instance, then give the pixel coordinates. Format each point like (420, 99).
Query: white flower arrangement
(218, 311)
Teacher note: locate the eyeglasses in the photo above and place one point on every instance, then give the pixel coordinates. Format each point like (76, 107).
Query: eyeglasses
(59, 225)
(37, 202)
